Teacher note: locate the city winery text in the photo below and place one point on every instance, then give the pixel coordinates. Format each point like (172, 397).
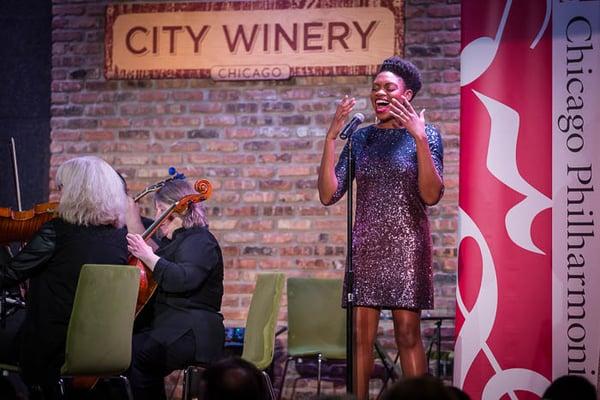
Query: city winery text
(266, 38)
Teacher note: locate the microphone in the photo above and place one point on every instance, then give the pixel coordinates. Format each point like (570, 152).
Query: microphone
(351, 126)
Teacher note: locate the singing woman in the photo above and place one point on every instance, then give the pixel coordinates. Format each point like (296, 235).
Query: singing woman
(398, 172)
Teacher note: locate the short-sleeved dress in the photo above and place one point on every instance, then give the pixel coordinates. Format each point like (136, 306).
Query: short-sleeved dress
(391, 238)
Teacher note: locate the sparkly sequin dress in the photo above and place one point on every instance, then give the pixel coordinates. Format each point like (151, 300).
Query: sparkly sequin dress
(391, 240)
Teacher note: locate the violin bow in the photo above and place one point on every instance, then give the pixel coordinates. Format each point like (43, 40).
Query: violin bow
(13, 153)
(154, 187)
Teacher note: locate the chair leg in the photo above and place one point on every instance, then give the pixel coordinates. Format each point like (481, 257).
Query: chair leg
(294, 388)
(381, 391)
(125, 381)
(269, 385)
(281, 384)
(392, 374)
(186, 382)
(319, 362)
(61, 387)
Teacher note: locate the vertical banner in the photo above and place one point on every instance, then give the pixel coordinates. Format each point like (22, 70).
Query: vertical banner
(576, 188)
(528, 249)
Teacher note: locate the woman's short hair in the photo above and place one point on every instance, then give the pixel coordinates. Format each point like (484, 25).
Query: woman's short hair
(172, 192)
(405, 70)
(91, 193)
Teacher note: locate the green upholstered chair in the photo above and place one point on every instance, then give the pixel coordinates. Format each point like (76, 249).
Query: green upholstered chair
(316, 323)
(9, 368)
(100, 330)
(261, 323)
(259, 336)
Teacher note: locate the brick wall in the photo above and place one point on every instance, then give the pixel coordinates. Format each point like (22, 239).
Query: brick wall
(259, 143)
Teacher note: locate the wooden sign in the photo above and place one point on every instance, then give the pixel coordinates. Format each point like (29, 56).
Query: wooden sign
(251, 40)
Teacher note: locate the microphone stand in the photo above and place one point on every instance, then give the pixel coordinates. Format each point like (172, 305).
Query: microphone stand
(349, 273)
(349, 279)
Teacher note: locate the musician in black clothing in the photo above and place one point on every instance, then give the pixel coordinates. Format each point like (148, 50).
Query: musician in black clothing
(185, 324)
(88, 229)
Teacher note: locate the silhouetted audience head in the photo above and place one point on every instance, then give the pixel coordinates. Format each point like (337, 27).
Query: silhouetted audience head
(421, 388)
(233, 379)
(570, 387)
(457, 394)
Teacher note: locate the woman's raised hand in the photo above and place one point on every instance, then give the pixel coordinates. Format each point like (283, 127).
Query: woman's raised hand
(406, 116)
(342, 111)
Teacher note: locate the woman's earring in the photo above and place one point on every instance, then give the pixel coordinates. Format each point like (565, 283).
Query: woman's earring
(376, 121)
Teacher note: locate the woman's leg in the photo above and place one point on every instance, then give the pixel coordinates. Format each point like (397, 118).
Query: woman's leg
(147, 368)
(153, 360)
(407, 332)
(366, 322)
(9, 338)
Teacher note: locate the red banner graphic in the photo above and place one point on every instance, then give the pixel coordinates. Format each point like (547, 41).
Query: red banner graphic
(504, 294)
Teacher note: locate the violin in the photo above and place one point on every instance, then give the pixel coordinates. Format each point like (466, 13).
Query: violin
(147, 283)
(19, 226)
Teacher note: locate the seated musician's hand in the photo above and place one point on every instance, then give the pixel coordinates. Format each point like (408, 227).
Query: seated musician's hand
(138, 247)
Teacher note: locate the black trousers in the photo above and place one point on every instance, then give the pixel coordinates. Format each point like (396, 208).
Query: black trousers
(9, 340)
(153, 360)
